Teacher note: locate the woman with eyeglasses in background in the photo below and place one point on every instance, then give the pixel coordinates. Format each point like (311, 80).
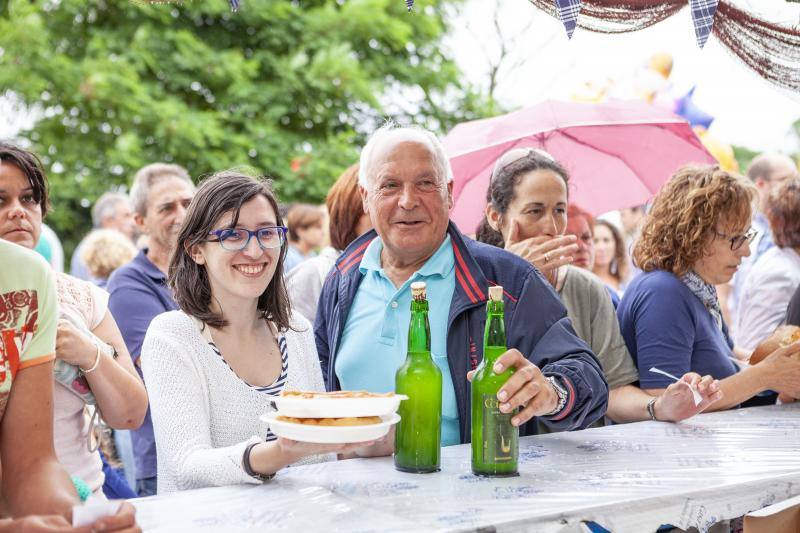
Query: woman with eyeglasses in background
(695, 237)
(213, 367)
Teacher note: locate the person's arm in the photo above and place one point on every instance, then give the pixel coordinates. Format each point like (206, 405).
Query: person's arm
(33, 480)
(778, 372)
(540, 330)
(673, 404)
(116, 386)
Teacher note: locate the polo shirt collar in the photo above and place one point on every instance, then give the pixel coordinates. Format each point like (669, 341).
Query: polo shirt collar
(148, 267)
(441, 263)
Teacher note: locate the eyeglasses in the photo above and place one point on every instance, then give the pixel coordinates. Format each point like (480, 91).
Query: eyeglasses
(236, 239)
(738, 240)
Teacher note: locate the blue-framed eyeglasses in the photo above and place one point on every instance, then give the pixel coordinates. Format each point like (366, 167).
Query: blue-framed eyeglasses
(236, 239)
(738, 240)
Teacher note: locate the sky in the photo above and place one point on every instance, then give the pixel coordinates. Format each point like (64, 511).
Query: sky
(748, 110)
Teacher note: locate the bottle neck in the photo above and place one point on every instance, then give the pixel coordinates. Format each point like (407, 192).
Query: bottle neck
(419, 329)
(495, 332)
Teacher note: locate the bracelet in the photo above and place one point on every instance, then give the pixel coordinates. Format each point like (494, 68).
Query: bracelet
(651, 408)
(96, 362)
(248, 469)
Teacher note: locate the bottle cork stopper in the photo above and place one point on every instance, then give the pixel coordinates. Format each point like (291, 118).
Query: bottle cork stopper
(496, 293)
(418, 290)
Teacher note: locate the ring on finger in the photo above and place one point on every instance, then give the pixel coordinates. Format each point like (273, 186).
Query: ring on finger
(547, 258)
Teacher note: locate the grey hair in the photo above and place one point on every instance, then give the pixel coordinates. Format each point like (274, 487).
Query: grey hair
(106, 207)
(390, 135)
(148, 176)
(763, 165)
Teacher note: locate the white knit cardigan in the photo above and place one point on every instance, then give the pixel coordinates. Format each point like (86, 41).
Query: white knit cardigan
(204, 415)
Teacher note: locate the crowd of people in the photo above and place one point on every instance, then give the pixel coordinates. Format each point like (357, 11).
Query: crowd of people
(189, 307)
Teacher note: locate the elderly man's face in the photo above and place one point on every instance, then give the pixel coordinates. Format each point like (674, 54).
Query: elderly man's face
(408, 203)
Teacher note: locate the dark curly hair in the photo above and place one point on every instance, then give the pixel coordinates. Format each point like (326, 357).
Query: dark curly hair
(783, 213)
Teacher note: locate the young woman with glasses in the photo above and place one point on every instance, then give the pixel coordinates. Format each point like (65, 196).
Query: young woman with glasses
(694, 238)
(213, 367)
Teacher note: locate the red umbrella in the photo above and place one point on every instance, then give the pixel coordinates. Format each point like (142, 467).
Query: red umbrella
(618, 153)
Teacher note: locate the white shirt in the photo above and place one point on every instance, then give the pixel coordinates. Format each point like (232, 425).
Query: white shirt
(765, 296)
(304, 282)
(70, 426)
(204, 415)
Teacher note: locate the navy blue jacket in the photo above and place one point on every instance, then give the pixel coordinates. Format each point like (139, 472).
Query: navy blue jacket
(536, 325)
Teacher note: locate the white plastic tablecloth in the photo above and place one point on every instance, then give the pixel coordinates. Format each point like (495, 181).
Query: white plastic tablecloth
(631, 477)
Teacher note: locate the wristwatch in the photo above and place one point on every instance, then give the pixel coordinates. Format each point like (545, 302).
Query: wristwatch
(561, 392)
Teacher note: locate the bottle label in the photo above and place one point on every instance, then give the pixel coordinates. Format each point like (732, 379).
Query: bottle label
(499, 444)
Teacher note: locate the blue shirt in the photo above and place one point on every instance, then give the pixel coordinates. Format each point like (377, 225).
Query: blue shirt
(665, 325)
(375, 338)
(138, 292)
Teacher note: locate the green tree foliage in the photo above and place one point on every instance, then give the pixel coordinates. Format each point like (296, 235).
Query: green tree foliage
(289, 88)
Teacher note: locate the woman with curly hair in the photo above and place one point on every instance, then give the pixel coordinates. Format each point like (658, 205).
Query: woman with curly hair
(695, 237)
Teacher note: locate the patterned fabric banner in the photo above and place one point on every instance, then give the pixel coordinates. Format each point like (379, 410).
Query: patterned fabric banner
(703, 12)
(568, 14)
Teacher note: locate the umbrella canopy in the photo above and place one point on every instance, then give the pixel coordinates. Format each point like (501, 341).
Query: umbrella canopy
(617, 153)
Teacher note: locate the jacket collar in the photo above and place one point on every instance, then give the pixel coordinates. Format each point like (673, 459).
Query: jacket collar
(470, 282)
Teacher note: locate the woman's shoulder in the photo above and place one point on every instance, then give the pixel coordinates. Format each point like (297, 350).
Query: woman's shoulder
(659, 281)
(173, 323)
(585, 279)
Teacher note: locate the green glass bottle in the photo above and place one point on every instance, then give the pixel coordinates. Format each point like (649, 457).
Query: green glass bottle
(418, 435)
(495, 441)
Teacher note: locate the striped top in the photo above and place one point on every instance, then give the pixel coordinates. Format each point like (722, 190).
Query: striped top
(277, 386)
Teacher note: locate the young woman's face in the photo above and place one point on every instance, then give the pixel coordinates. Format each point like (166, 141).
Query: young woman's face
(539, 206)
(244, 274)
(604, 246)
(20, 213)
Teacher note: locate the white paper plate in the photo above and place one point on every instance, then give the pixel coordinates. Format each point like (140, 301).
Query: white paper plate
(329, 434)
(337, 407)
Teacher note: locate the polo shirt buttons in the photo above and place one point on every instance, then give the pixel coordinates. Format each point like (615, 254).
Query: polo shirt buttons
(394, 305)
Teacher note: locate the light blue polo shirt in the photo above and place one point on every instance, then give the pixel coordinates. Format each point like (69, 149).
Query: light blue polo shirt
(375, 337)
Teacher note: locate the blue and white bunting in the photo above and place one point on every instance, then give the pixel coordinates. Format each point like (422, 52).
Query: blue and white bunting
(409, 4)
(703, 12)
(568, 14)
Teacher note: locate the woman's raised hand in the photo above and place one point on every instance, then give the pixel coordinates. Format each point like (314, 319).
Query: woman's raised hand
(543, 252)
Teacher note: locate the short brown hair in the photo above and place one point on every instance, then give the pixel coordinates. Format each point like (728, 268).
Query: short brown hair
(105, 250)
(686, 213)
(221, 193)
(303, 216)
(783, 213)
(344, 208)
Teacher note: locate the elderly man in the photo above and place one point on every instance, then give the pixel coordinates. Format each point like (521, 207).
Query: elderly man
(160, 195)
(111, 211)
(362, 318)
